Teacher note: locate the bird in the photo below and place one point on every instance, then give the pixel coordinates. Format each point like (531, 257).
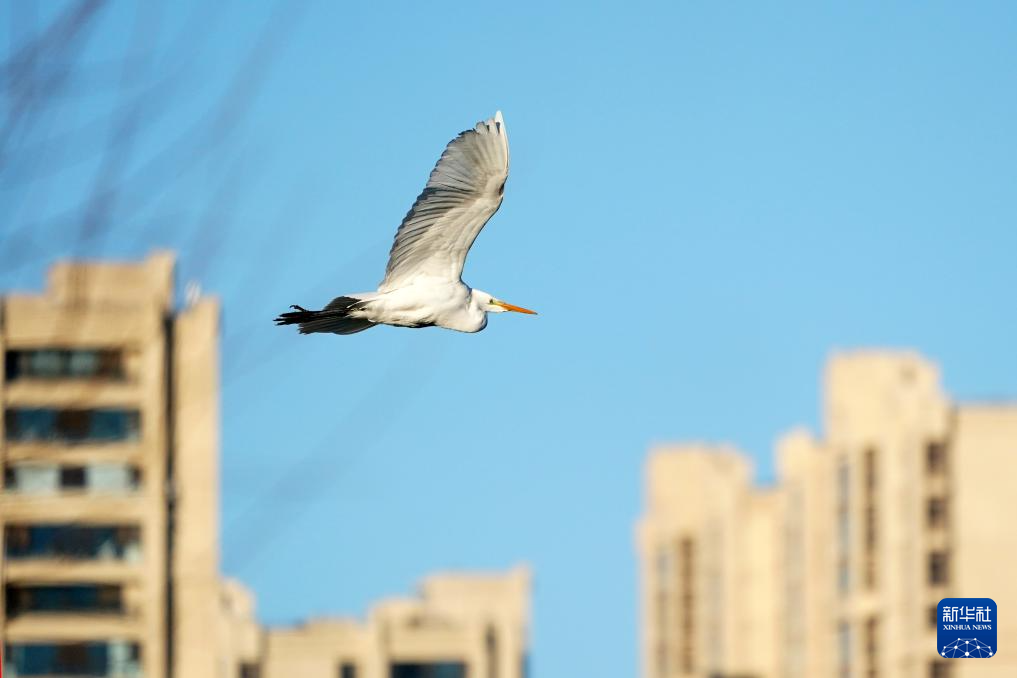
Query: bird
(423, 284)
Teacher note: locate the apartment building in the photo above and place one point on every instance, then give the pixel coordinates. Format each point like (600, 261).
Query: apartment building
(109, 503)
(461, 626)
(836, 571)
(708, 565)
(109, 511)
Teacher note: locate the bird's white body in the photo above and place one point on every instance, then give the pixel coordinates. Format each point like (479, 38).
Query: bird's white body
(425, 303)
(423, 284)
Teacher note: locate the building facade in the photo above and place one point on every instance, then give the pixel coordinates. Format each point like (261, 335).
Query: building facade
(461, 626)
(836, 572)
(109, 503)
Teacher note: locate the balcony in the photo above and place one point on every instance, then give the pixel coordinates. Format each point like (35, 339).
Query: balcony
(52, 599)
(72, 542)
(65, 363)
(115, 659)
(29, 478)
(72, 426)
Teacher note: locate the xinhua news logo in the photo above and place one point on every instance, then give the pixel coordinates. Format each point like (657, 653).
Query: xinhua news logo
(967, 628)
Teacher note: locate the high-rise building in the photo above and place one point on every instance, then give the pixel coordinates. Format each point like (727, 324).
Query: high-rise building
(109, 511)
(109, 504)
(836, 572)
(709, 566)
(461, 626)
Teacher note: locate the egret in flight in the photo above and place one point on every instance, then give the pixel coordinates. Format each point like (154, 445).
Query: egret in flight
(423, 286)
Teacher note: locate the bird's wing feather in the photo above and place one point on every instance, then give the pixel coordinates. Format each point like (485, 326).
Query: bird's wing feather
(464, 190)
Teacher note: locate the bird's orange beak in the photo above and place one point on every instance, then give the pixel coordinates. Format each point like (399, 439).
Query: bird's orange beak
(517, 309)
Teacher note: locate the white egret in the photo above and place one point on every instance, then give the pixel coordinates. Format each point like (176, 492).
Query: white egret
(423, 284)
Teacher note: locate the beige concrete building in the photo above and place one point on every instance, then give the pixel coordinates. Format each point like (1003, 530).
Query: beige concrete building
(109, 511)
(109, 504)
(708, 544)
(461, 626)
(836, 572)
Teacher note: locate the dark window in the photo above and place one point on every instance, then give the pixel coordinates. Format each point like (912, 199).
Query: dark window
(71, 659)
(871, 517)
(57, 363)
(870, 469)
(940, 669)
(431, 670)
(872, 647)
(11, 365)
(934, 616)
(71, 425)
(687, 571)
(491, 650)
(870, 527)
(938, 568)
(935, 457)
(347, 670)
(249, 670)
(62, 598)
(74, 542)
(72, 477)
(936, 512)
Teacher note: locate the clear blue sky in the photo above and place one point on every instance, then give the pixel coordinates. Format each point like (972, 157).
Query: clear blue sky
(705, 200)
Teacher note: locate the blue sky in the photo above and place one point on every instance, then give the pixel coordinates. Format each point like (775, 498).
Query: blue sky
(706, 199)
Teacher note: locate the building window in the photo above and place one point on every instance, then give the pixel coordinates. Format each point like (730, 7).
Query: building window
(72, 477)
(844, 649)
(59, 363)
(115, 658)
(46, 598)
(935, 457)
(843, 527)
(940, 669)
(72, 542)
(936, 512)
(871, 518)
(870, 469)
(428, 670)
(72, 425)
(872, 647)
(664, 566)
(871, 572)
(347, 670)
(843, 576)
(249, 670)
(939, 568)
(934, 616)
(870, 527)
(491, 650)
(687, 573)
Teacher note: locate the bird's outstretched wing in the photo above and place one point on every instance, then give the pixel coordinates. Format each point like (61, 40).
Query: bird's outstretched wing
(464, 190)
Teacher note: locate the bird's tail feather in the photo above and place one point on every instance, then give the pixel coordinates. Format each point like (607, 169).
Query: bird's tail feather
(333, 318)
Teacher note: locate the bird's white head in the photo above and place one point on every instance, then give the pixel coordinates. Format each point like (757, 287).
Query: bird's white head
(487, 303)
